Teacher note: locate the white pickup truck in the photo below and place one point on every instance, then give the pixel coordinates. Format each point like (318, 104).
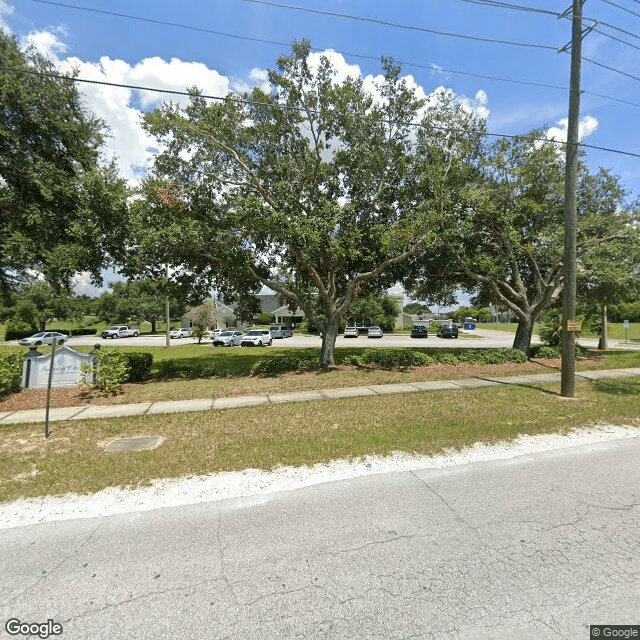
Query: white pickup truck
(120, 331)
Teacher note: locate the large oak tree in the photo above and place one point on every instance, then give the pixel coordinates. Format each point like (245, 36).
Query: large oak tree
(310, 189)
(61, 210)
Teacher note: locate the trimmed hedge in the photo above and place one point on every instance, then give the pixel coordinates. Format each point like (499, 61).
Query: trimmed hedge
(409, 358)
(86, 331)
(139, 365)
(18, 331)
(10, 373)
(282, 364)
(185, 369)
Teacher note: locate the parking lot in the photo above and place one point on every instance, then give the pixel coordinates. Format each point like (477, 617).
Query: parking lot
(480, 338)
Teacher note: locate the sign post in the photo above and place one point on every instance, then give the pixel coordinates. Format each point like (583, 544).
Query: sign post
(47, 433)
(626, 329)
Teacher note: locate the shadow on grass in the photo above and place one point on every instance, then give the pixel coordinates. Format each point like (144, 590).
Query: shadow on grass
(617, 387)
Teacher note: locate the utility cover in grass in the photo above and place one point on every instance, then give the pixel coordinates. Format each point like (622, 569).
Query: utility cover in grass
(133, 444)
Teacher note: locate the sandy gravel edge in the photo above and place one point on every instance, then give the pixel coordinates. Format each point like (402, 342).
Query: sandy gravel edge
(253, 482)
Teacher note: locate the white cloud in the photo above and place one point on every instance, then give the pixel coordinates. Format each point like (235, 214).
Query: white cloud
(5, 10)
(46, 42)
(586, 127)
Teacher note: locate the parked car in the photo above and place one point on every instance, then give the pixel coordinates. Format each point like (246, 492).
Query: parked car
(179, 333)
(448, 330)
(374, 332)
(419, 331)
(228, 338)
(280, 331)
(120, 331)
(351, 332)
(256, 338)
(43, 337)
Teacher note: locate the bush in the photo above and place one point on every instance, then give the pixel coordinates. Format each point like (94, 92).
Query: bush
(282, 364)
(351, 360)
(185, 369)
(393, 357)
(110, 370)
(139, 365)
(10, 373)
(17, 329)
(545, 352)
(492, 356)
(86, 331)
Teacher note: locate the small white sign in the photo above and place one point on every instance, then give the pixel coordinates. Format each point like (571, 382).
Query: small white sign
(626, 324)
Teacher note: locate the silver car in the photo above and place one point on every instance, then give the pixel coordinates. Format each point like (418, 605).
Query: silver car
(179, 333)
(228, 338)
(351, 332)
(374, 332)
(43, 337)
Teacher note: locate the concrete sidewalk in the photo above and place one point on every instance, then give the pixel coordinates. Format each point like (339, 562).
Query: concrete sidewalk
(205, 404)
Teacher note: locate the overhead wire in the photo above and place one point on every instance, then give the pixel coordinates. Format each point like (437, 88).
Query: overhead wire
(408, 63)
(619, 6)
(239, 100)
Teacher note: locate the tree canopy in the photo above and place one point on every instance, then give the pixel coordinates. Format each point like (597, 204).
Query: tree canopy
(503, 228)
(60, 210)
(312, 190)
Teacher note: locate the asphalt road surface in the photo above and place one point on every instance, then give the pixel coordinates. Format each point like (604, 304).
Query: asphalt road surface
(481, 338)
(535, 547)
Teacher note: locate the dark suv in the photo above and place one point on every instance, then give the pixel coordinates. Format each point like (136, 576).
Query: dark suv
(448, 330)
(419, 331)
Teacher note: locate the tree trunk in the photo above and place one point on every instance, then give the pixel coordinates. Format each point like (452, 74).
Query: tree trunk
(602, 343)
(522, 339)
(153, 326)
(329, 335)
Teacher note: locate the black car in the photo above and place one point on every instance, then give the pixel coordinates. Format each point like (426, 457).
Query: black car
(419, 331)
(448, 330)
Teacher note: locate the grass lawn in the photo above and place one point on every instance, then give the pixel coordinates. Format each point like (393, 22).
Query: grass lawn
(73, 458)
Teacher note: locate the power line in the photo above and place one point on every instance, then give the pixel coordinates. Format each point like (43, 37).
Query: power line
(60, 76)
(357, 55)
(619, 6)
(397, 25)
(518, 7)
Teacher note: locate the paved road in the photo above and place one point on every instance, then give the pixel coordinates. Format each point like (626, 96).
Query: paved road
(536, 547)
(486, 338)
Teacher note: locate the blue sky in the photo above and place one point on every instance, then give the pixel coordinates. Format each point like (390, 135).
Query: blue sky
(144, 52)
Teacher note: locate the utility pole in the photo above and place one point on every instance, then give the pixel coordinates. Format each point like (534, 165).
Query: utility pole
(167, 314)
(568, 370)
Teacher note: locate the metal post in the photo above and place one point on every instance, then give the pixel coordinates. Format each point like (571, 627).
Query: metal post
(567, 375)
(47, 433)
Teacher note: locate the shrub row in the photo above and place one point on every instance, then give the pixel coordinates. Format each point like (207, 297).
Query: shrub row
(10, 373)
(410, 358)
(281, 364)
(17, 331)
(85, 331)
(139, 365)
(185, 369)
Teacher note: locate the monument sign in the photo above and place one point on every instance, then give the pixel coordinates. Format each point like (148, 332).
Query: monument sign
(67, 368)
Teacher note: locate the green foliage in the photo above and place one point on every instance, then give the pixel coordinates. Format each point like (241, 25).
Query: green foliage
(394, 357)
(491, 356)
(282, 364)
(545, 352)
(266, 318)
(17, 329)
(61, 210)
(188, 369)
(110, 370)
(84, 331)
(550, 328)
(139, 365)
(10, 373)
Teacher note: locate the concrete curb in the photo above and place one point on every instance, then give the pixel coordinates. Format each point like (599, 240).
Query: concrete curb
(94, 412)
